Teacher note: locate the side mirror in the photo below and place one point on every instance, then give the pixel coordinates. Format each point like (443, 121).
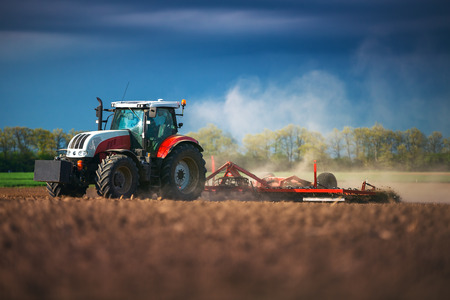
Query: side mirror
(180, 125)
(99, 109)
(152, 112)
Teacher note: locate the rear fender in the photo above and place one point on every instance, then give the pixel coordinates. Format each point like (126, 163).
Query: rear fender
(172, 141)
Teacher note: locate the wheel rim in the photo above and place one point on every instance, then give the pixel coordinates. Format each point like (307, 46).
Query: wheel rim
(186, 175)
(122, 180)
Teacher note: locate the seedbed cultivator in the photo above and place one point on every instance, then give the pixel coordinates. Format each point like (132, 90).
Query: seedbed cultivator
(230, 181)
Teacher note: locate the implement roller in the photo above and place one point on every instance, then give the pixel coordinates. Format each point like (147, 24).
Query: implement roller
(235, 181)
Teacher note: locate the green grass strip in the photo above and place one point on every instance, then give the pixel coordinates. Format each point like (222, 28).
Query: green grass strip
(18, 179)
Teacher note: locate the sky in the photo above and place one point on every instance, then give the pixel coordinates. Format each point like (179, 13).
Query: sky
(242, 65)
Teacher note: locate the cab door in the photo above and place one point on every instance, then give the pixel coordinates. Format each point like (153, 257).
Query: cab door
(160, 125)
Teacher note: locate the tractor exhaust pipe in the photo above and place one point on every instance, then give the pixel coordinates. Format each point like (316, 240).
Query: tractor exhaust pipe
(99, 113)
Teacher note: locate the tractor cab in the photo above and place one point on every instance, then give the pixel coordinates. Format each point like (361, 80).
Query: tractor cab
(149, 122)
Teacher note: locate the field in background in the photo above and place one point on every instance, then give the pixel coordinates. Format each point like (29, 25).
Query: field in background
(17, 179)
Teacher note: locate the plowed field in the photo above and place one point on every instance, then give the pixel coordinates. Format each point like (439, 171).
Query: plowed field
(95, 248)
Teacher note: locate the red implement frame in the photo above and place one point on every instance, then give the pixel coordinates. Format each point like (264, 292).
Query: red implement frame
(263, 187)
(232, 170)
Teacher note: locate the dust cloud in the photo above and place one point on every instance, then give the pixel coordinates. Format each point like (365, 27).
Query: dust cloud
(250, 106)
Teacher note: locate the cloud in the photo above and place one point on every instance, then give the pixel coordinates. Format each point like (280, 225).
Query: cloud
(316, 100)
(214, 21)
(284, 26)
(23, 44)
(18, 45)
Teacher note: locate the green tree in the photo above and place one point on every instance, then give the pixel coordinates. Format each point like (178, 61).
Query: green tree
(377, 139)
(435, 142)
(214, 141)
(259, 146)
(44, 142)
(315, 147)
(289, 141)
(416, 143)
(348, 142)
(6, 141)
(22, 137)
(370, 147)
(362, 144)
(446, 145)
(335, 140)
(59, 137)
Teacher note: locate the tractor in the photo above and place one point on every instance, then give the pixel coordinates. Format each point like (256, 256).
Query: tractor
(141, 150)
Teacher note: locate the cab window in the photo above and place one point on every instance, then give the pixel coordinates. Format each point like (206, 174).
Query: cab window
(127, 119)
(162, 125)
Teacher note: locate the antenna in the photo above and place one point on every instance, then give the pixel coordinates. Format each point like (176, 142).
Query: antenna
(124, 93)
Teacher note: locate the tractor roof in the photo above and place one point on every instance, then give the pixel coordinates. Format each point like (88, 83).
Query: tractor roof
(145, 104)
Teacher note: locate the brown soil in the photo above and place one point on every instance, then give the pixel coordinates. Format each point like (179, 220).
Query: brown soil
(95, 248)
(423, 192)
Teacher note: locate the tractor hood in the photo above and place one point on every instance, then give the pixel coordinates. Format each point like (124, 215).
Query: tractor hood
(88, 144)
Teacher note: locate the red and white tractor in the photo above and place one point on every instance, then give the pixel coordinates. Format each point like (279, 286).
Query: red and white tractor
(142, 149)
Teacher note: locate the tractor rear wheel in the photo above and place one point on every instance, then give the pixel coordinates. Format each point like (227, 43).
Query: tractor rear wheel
(116, 176)
(327, 180)
(56, 189)
(183, 173)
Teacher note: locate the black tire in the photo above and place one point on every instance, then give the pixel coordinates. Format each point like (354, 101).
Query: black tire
(326, 180)
(55, 189)
(116, 176)
(183, 173)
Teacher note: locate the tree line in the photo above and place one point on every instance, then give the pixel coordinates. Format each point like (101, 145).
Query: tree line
(21, 146)
(349, 148)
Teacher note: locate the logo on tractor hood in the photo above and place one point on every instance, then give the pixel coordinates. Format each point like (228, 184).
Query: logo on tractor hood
(90, 143)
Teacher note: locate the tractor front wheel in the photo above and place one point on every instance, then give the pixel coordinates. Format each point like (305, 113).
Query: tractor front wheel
(117, 175)
(183, 173)
(56, 189)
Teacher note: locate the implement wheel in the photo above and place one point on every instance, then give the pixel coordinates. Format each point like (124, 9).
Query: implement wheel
(117, 175)
(327, 180)
(183, 173)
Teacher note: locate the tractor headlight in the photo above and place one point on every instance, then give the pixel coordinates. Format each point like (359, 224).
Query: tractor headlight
(82, 153)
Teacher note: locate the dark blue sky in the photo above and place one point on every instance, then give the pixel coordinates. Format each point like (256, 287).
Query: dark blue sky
(243, 65)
